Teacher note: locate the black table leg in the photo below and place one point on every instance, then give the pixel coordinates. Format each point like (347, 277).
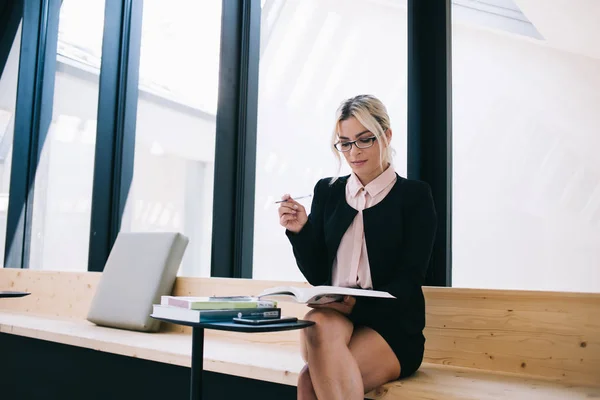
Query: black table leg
(197, 363)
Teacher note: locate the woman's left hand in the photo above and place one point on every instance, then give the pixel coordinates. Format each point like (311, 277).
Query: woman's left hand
(345, 307)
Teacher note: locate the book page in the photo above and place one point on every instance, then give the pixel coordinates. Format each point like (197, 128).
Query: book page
(319, 294)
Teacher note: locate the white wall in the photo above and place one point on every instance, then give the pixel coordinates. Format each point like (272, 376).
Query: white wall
(526, 207)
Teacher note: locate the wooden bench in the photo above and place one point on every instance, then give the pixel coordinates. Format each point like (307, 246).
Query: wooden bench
(481, 344)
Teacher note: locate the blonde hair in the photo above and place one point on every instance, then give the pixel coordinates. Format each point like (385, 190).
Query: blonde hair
(373, 115)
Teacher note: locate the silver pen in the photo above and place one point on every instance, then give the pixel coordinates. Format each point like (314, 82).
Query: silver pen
(294, 198)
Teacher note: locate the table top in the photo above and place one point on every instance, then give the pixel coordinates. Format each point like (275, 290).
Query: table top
(12, 293)
(235, 327)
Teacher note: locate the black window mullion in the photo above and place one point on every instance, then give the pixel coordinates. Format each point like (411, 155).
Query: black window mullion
(33, 115)
(235, 158)
(115, 136)
(430, 120)
(10, 16)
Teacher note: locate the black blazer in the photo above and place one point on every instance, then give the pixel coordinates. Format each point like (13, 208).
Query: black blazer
(399, 233)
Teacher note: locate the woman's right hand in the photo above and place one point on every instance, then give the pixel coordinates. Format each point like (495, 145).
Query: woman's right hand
(292, 215)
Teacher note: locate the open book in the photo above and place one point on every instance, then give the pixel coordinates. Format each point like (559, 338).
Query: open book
(318, 294)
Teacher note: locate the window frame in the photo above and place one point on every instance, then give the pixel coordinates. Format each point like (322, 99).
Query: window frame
(429, 126)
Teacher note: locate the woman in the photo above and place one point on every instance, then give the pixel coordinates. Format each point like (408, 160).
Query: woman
(371, 230)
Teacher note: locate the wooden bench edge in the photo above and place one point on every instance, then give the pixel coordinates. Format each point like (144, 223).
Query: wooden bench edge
(183, 357)
(146, 353)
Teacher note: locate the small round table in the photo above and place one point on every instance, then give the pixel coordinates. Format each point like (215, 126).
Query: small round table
(198, 342)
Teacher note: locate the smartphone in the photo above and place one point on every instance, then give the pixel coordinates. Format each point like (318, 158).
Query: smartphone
(250, 321)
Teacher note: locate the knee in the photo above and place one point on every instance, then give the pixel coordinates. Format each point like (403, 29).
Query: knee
(330, 326)
(305, 386)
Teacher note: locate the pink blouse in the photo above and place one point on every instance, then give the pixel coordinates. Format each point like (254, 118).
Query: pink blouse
(351, 265)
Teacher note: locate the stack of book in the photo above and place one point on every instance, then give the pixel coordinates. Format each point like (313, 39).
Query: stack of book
(214, 309)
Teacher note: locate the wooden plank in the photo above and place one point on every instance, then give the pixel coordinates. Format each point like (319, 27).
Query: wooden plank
(549, 334)
(58, 294)
(452, 383)
(555, 335)
(507, 299)
(566, 323)
(533, 354)
(435, 292)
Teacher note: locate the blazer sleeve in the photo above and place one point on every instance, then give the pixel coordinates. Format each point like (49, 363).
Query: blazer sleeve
(309, 244)
(419, 226)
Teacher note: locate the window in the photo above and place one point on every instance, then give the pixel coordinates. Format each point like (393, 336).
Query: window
(8, 98)
(526, 184)
(64, 175)
(314, 55)
(172, 186)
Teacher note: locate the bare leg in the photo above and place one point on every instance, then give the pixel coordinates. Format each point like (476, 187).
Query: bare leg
(334, 372)
(305, 387)
(377, 362)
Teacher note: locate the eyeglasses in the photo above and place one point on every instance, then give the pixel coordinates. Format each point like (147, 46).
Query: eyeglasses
(362, 143)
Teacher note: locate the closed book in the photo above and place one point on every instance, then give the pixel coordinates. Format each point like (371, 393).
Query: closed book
(210, 303)
(185, 314)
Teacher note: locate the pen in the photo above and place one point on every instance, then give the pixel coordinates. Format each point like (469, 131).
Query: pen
(294, 198)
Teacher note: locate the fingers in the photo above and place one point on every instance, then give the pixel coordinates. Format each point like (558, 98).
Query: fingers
(333, 306)
(292, 215)
(291, 202)
(290, 206)
(349, 301)
(284, 210)
(287, 218)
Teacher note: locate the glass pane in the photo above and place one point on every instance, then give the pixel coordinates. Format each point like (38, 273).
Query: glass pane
(172, 185)
(63, 181)
(8, 99)
(526, 209)
(314, 55)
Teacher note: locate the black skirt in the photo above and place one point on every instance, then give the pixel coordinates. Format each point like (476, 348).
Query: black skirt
(408, 348)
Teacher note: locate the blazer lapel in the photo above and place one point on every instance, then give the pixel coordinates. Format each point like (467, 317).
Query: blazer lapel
(383, 227)
(338, 221)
